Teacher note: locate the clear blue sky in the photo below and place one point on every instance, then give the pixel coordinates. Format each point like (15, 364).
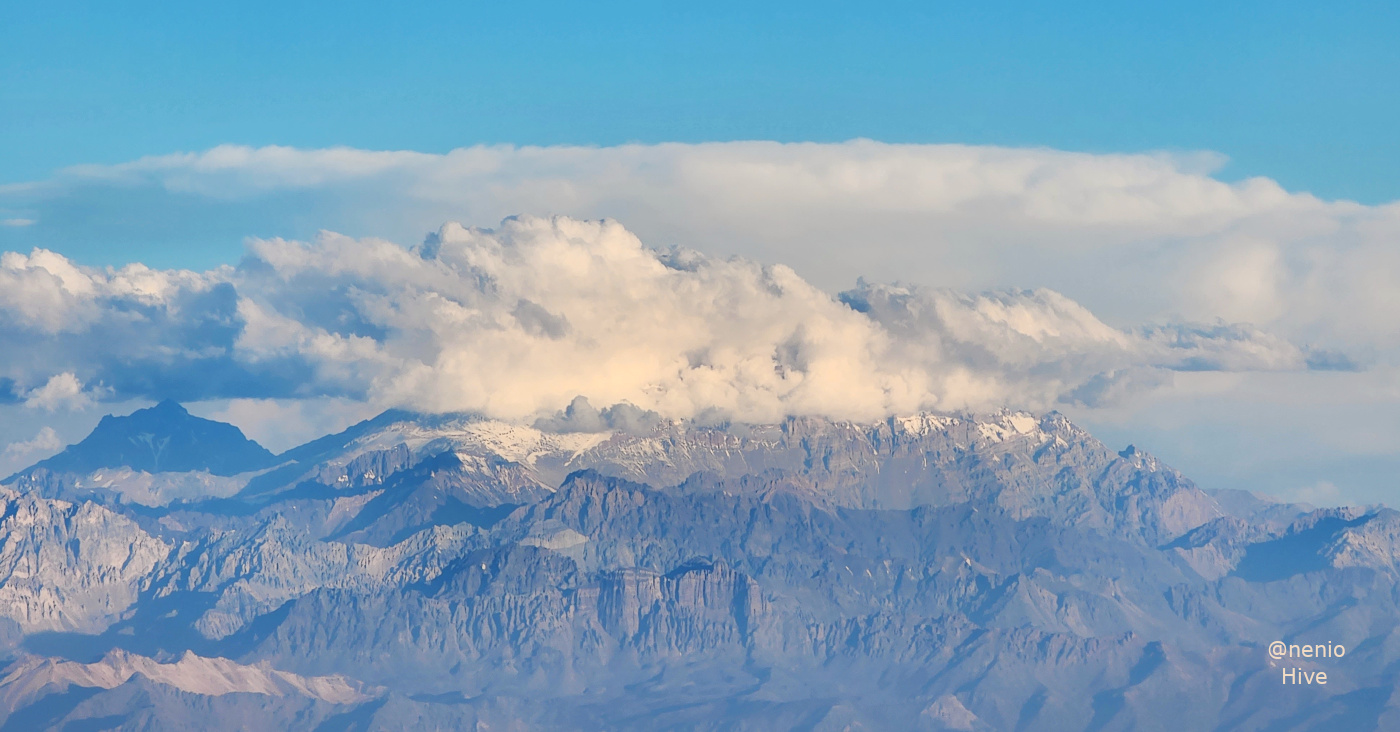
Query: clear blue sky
(1308, 94)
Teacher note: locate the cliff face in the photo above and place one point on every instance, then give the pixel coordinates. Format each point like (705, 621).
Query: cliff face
(998, 572)
(70, 567)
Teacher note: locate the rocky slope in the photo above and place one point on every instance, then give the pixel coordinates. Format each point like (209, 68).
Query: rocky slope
(992, 572)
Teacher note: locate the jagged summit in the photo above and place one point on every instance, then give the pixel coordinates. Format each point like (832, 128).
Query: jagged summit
(162, 438)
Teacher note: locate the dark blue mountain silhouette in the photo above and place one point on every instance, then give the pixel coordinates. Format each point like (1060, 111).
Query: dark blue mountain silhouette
(162, 438)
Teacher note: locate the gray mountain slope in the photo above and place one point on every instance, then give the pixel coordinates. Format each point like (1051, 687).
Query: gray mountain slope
(994, 572)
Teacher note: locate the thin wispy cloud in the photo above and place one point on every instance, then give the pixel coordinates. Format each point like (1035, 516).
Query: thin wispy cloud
(42, 445)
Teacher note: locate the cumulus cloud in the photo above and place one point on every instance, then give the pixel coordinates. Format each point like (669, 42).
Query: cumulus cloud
(1153, 277)
(1134, 237)
(521, 321)
(61, 391)
(582, 416)
(132, 331)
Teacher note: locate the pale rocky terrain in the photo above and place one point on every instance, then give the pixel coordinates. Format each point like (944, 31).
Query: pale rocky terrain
(1002, 571)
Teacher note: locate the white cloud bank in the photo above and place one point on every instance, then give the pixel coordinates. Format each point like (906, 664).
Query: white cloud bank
(1136, 238)
(325, 332)
(518, 321)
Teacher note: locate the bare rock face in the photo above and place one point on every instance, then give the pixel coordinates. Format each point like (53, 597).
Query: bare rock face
(253, 571)
(70, 567)
(932, 572)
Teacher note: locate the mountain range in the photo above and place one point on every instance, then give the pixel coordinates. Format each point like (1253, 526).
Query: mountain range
(1002, 571)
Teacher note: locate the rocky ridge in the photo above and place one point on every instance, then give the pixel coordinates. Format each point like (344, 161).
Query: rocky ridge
(1002, 571)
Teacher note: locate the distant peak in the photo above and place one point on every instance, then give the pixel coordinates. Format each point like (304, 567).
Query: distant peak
(162, 438)
(169, 406)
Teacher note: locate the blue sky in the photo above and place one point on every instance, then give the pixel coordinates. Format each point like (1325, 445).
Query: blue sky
(1305, 93)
